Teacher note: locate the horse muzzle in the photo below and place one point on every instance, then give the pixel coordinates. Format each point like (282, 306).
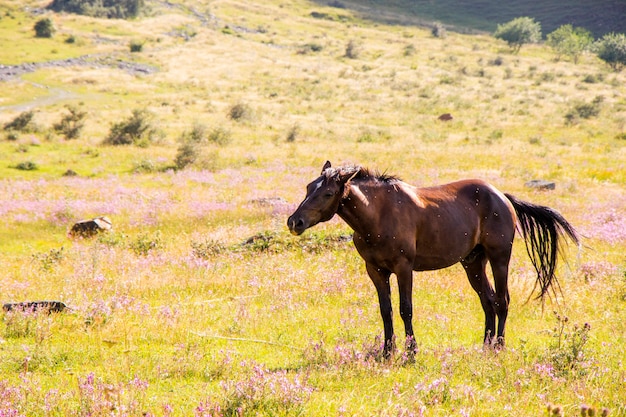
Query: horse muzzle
(296, 225)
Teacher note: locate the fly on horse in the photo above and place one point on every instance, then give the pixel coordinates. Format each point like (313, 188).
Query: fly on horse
(399, 228)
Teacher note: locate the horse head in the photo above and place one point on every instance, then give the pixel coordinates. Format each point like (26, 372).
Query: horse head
(323, 196)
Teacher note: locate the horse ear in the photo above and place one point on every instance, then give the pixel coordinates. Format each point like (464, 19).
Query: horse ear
(326, 166)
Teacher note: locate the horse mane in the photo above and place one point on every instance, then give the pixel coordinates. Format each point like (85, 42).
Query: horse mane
(361, 173)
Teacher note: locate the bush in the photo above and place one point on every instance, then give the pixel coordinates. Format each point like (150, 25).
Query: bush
(292, 134)
(569, 41)
(310, 47)
(518, 32)
(44, 28)
(197, 134)
(240, 111)
(584, 110)
(27, 166)
(145, 166)
(611, 48)
(353, 49)
(188, 153)
(136, 46)
(112, 9)
(220, 136)
(22, 123)
(138, 129)
(438, 30)
(71, 124)
(145, 243)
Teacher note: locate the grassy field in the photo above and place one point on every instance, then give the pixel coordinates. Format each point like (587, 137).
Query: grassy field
(200, 303)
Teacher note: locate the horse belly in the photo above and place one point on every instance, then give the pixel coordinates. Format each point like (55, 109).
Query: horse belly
(429, 263)
(441, 248)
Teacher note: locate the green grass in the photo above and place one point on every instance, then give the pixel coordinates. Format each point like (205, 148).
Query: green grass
(200, 295)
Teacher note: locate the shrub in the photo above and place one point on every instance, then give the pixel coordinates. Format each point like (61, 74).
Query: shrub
(197, 134)
(188, 153)
(292, 134)
(240, 111)
(569, 41)
(136, 46)
(438, 30)
(567, 350)
(274, 392)
(48, 260)
(112, 9)
(71, 124)
(207, 249)
(22, 122)
(611, 48)
(145, 243)
(310, 47)
(145, 165)
(138, 129)
(27, 166)
(584, 110)
(353, 49)
(592, 79)
(44, 28)
(497, 61)
(518, 32)
(220, 136)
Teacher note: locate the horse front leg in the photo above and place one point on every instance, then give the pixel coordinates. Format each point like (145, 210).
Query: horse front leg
(405, 287)
(380, 278)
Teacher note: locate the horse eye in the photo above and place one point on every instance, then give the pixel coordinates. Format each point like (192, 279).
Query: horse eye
(329, 194)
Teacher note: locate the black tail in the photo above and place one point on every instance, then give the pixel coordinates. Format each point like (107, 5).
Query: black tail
(543, 230)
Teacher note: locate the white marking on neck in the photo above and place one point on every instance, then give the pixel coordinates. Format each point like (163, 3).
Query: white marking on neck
(359, 194)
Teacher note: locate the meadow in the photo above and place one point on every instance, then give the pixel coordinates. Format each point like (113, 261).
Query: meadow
(200, 303)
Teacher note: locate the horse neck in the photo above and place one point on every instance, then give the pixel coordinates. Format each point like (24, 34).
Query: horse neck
(358, 208)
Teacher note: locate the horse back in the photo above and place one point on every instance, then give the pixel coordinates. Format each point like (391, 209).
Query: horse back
(452, 219)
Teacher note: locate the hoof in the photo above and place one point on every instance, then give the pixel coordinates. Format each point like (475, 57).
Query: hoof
(499, 344)
(388, 350)
(494, 345)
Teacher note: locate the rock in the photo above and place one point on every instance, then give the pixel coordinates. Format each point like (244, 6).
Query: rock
(445, 117)
(541, 184)
(269, 201)
(90, 228)
(48, 306)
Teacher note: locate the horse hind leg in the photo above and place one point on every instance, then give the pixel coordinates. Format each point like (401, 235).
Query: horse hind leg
(500, 271)
(475, 264)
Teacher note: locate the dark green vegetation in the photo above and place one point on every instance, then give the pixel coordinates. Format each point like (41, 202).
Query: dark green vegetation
(118, 9)
(519, 31)
(598, 16)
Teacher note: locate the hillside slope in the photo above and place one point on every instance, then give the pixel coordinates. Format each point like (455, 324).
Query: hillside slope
(598, 16)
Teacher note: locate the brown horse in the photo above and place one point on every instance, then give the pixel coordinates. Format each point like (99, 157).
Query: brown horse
(399, 229)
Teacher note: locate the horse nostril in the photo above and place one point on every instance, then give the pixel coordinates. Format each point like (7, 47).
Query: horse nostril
(296, 225)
